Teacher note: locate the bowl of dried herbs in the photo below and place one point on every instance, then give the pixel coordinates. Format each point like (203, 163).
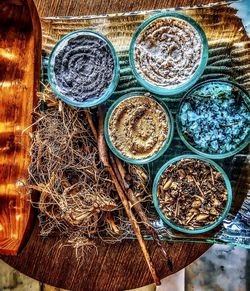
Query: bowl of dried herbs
(192, 194)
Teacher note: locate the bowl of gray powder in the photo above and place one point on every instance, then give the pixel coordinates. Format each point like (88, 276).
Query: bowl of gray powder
(83, 68)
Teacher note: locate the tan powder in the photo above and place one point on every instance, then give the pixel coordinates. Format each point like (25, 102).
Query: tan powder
(138, 127)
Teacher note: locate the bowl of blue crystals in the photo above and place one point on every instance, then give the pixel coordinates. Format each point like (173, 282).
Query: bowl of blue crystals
(213, 119)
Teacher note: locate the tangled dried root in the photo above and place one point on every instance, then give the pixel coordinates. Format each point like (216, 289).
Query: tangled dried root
(77, 197)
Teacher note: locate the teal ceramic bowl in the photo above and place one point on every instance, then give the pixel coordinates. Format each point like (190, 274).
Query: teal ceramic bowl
(204, 86)
(179, 227)
(154, 88)
(70, 99)
(117, 152)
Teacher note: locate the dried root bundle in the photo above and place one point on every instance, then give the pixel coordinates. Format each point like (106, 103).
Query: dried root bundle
(77, 196)
(86, 192)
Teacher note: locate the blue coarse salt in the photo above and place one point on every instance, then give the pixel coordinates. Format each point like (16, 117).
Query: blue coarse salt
(216, 118)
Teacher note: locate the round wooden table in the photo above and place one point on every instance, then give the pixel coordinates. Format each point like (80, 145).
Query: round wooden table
(112, 267)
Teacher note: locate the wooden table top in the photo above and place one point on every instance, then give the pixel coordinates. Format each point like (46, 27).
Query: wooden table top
(111, 267)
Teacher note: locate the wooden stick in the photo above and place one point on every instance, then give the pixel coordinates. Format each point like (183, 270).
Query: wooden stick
(122, 172)
(129, 193)
(139, 209)
(103, 153)
(91, 124)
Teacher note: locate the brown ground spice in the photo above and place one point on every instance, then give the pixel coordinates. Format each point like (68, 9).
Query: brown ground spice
(138, 127)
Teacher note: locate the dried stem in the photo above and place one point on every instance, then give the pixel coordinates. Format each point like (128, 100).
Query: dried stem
(199, 188)
(91, 124)
(212, 176)
(103, 152)
(122, 173)
(139, 209)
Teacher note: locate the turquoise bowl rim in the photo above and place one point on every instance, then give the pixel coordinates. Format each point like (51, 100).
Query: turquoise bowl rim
(192, 148)
(181, 228)
(156, 155)
(111, 88)
(160, 90)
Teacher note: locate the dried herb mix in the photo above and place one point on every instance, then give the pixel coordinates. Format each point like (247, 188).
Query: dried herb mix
(214, 118)
(138, 127)
(192, 193)
(168, 52)
(84, 67)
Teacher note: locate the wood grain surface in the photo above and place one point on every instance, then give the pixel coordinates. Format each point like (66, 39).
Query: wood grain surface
(19, 62)
(94, 7)
(110, 267)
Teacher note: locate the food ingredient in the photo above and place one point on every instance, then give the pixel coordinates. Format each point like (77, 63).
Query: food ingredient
(214, 118)
(192, 193)
(168, 52)
(138, 127)
(78, 201)
(84, 67)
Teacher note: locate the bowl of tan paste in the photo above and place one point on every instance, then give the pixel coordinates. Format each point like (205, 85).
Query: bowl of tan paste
(138, 128)
(168, 53)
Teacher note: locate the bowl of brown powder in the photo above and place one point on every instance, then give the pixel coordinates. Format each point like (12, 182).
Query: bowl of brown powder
(138, 128)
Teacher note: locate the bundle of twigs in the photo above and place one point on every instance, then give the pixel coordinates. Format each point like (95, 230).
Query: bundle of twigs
(77, 195)
(85, 191)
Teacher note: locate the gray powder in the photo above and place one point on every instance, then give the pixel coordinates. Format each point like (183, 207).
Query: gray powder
(84, 67)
